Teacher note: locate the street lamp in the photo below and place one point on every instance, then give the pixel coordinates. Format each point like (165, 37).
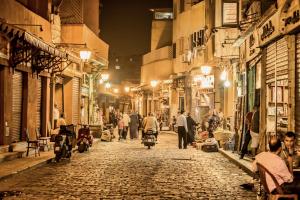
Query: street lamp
(104, 77)
(227, 83)
(223, 75)
(107, 85)
(205, 70)
(153, 84)
(85, 54)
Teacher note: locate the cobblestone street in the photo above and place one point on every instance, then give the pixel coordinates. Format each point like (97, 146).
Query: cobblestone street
(127, 170)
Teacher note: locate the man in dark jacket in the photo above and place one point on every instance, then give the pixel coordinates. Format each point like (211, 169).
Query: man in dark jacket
(191, 129)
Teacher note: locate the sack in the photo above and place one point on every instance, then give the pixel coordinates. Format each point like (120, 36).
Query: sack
(210, 145)
(106, 136)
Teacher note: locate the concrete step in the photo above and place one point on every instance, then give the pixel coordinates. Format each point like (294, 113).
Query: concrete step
(4, 148)
(10, 156)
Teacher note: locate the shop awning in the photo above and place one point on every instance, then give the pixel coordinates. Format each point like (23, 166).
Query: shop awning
(24, 38)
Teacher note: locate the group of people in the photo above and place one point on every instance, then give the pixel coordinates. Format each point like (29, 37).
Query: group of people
(125, 122)
(280, 160)
(186, 126)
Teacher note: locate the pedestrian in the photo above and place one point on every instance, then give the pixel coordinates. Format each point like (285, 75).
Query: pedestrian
(248, 135)
(120, 126)
(254, 130)
(61, 120)
(126, 119)
(182, 130)
(213, 123)
(134, 125)
(101, 120)
(276, 165)
(55, 116)
(173, 123)
(191, 129)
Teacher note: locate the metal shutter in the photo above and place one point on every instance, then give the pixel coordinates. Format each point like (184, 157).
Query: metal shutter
(75, 100)
(277, 54)
(16, 106)
(38, 102)
(297, 93)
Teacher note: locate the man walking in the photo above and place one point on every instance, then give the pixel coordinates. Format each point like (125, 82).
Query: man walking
(247, 136)
(126, 120)
(182, 130)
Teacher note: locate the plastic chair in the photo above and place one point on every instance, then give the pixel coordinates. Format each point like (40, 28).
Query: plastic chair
(280, 193)
(43, 141)
(32, 144)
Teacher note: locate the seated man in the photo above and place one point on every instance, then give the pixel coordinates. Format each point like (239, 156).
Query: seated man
(288, 153)
(276, 165)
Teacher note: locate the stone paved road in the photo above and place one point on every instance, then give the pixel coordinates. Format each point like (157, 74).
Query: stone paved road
(127, 170)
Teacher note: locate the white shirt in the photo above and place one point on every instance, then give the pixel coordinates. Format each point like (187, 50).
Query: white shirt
(276, 166)
(126, 119)
(181, 121)
(150, 123)
(55, 114)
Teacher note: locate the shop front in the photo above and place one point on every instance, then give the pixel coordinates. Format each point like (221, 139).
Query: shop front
(203, 96)
(290, 25)
(275, 78)
(25, 77)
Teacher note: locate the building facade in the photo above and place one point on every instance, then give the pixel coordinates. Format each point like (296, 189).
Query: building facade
(38, 68)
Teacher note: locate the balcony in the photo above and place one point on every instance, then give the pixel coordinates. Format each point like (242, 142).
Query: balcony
(157, 65)
(164, 53)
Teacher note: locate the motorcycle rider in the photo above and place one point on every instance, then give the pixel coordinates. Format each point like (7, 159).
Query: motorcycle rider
(151, 123)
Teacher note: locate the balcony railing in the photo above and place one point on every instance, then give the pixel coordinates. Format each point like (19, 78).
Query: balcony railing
(157, 55)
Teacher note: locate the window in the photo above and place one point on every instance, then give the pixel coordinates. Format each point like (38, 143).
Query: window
(181, 103)
(174, 50)
(197, 39)
(163, 15)
(174, 10)
(181, 9)
(181, 45)
(40, 7)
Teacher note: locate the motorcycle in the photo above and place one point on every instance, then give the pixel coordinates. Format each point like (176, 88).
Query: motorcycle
(85, 139)
(149, 139)
(64, 142)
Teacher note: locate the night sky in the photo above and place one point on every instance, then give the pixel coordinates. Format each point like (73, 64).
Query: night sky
(126, 27)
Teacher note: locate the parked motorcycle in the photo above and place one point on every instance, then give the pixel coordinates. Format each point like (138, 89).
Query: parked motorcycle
(64, 142)
(85, 139)
(149, 139)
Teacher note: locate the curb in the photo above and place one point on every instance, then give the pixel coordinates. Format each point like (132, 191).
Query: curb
(27, 168)
(236, 162)
(39, 164)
